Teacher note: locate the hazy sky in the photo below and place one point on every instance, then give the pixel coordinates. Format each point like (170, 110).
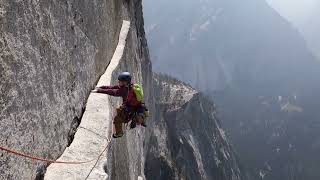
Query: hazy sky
(296, 11)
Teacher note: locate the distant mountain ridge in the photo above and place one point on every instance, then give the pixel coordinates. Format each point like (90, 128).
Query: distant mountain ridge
(227, 41)
(305, 18)
(247, 57)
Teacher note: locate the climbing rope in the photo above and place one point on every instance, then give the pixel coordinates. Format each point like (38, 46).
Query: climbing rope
(95, 164)
(12, 151)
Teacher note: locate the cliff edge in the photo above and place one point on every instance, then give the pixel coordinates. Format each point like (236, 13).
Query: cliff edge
(187, 140)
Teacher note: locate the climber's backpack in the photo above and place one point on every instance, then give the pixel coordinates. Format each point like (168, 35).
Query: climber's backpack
(135, 96)
(138, 91)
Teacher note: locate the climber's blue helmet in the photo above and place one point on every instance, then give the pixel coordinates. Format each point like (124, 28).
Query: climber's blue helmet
(125, 76)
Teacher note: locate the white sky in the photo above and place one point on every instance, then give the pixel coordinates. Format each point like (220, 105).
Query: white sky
(296, 11)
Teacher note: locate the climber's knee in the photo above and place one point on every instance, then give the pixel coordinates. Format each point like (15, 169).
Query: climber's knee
(117, 119)
(118, 128)
(120, 117)
(139, 119)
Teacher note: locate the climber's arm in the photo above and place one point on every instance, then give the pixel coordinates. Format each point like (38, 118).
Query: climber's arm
(109, 87)
(111, 92)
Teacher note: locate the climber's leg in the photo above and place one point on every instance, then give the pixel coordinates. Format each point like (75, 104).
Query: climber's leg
(139, 119)
(118, 120)
(141, 116)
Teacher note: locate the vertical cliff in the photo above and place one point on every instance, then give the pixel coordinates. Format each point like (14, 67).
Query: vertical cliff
(126, 158)
(187, 141)
(51, 55)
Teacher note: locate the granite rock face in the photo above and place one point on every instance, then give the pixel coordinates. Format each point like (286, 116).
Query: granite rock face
(51, 55)
(187, 141)
(93, 136)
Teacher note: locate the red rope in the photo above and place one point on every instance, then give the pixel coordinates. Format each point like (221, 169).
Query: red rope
(49, 160)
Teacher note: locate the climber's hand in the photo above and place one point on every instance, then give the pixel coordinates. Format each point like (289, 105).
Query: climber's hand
(95, 90)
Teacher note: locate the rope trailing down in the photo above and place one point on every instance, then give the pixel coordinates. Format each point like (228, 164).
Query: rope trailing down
(36, 158)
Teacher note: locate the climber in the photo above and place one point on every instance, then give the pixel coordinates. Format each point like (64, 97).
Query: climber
(132, 107)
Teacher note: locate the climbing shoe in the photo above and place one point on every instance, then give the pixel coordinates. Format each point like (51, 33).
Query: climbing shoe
(144, 124)
(133, 124)
(117, 135)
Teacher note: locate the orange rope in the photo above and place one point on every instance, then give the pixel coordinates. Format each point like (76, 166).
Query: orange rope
(49, 160)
